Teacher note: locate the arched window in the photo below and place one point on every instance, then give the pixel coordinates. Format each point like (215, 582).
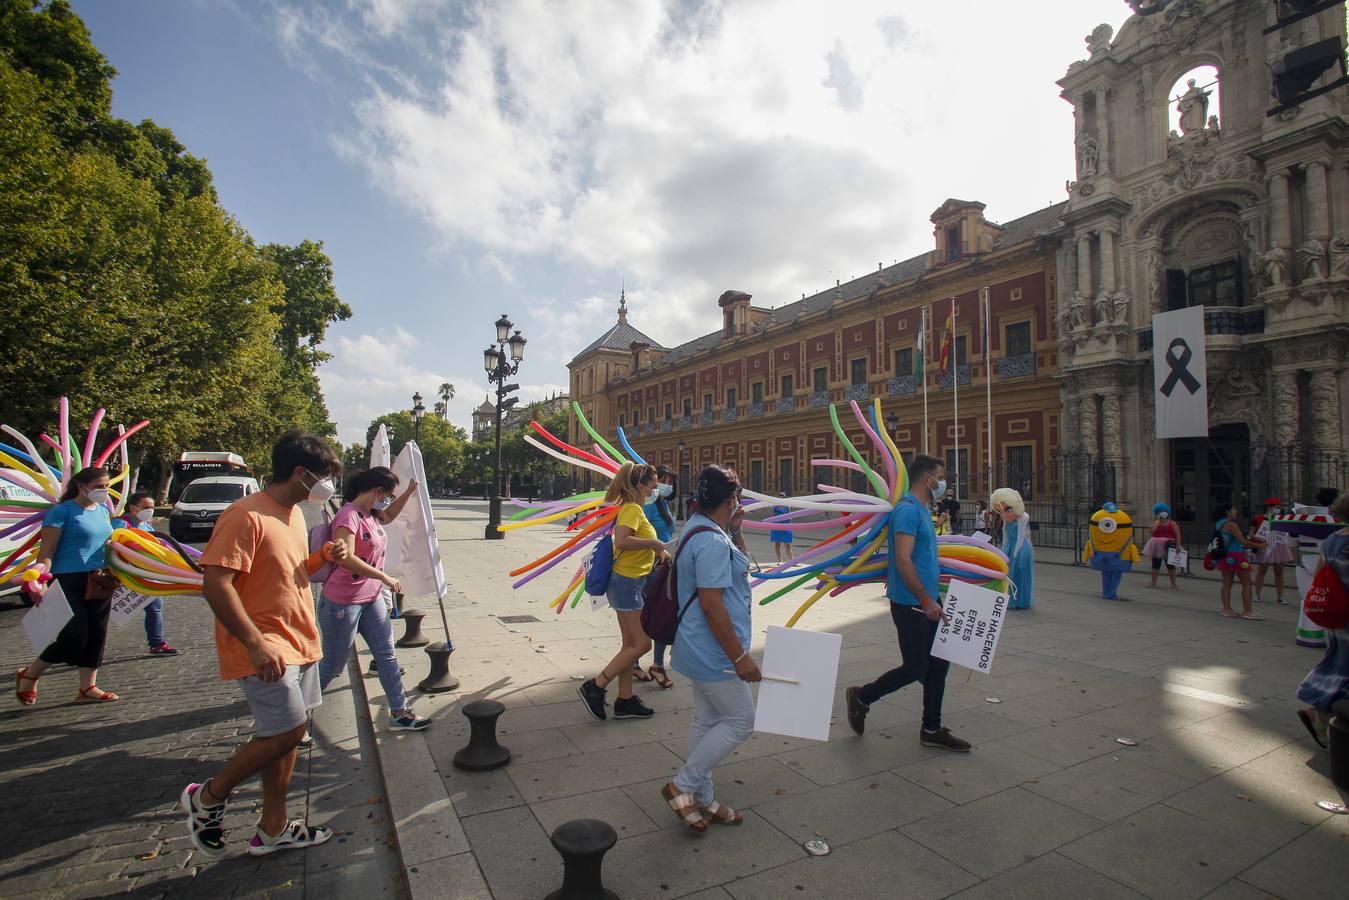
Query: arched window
(1193, 101)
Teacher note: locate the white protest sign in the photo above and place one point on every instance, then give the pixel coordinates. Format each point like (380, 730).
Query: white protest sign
(800, 669)
(975, 617)
(413, 555)
(125, 604)
(379, 448)
(1180, 373)
(44, 622)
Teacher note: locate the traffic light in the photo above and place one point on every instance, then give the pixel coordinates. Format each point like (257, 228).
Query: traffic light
(1293, 75)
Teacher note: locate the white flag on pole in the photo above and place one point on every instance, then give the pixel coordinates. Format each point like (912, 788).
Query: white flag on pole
(1180, 374)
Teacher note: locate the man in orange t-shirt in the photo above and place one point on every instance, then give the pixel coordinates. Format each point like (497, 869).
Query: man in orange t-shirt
(257, 566)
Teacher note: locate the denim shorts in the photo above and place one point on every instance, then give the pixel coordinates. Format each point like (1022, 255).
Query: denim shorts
(625, 594)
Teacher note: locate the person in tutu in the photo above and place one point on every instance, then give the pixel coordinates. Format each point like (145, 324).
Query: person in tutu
(1278, 552)
(1165, 535)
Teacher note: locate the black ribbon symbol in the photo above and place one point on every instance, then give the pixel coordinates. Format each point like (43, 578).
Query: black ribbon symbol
(1178, 356)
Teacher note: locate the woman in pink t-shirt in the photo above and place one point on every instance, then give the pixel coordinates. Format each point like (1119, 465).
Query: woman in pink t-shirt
(352, 598)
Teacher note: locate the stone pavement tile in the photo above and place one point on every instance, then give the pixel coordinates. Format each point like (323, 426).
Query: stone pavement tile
(847, 812)
(663, 726)
(1050, 877)
(474, 793)
(611, 805)
(514, 852)
(1192, 753)
(1239, 890)
(964, 777)
(982, 726)
(1064, 744)
(1165, 853)
(1315, 865)
(555, 778)
(1255, 726)
(1058, 705)
(760, 744)
(455, 876)
(1118, 688)
(1020, 684)
(959, 696)
(741, 785)
(554, 715)
(881, 867)
(1150, 716)
(858, 755)
(675, 862)
(1109, 787)
(1000, 832)
(423, 815)
(716, 893)
(361, 877)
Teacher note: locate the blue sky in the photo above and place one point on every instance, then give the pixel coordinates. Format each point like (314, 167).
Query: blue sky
(459, 160)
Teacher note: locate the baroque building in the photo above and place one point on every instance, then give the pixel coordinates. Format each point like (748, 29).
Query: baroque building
(484, 417)
(1244, 213)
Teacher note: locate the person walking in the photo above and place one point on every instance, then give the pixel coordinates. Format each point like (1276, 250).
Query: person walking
(1277, 552)
(1328, 681)
(912, 581)
(1165, 536)
(140, 509)
(636, 550)
(1233, 563)
(351, 600)
(782, 538)
(72, 547)
(661, 517)
(712, 649)
(256, 579)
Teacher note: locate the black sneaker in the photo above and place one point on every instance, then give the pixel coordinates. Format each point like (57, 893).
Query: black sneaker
(632, 708)
(857, 710)
(592, 695)
(943, 739)
(203, 822)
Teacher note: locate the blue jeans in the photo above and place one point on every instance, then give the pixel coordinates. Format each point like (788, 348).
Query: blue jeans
(723, 719)
(339, 623)
(154, 622)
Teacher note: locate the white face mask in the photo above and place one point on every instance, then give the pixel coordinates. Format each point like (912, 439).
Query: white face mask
(384, 503)
(322, 490)
(97, 495)
(664, 490)
(940, 490)
(144, 515)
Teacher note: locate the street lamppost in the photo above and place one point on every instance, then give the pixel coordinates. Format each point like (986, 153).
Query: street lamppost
(498, 370)
(417, 412)
(679, 498)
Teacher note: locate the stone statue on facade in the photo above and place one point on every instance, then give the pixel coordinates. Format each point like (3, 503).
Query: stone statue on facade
(1155, 299)
(1098, 41)
(1120, 304)
(1275, 263)
(1193, 108)
(1105, 309)
(1087, 155)
(1311, 256)
(1339, 257)
(1077, 312)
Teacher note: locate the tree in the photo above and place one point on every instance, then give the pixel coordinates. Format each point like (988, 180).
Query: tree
(442, 445)
(309, 303)
(446, 394)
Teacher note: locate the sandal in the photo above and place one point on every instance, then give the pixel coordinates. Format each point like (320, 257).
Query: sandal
(658, 675)
(87, 695)
(639, 673)
(1229, 614)
(686, 807)
(722, 814)
(27, 698)
(1252, 617)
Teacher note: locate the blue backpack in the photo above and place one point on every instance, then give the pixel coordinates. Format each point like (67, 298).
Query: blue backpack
(599, 566)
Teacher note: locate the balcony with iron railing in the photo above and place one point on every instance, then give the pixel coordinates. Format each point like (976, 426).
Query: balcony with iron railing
(1018, 365)
(730, 414)
(666, 426)
(818, 399)
(706, 418)
(685, 422)
(859, 392)
(755, 410)
(785, 405)
(962, 372)
(902, 386)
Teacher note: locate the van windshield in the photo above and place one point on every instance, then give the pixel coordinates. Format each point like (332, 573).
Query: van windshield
(212, 493)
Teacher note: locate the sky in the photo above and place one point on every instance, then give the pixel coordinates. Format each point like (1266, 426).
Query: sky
(535, 157)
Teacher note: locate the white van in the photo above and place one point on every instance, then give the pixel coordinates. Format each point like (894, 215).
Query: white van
(202, 502)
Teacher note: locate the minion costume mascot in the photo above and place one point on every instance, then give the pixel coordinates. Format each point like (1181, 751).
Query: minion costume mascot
(1110, 548)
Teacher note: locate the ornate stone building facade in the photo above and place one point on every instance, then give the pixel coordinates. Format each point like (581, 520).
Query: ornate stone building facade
(755, 393)
(1243, 213)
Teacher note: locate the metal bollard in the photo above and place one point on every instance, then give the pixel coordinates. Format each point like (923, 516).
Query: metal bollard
(583, 843)
(412, 636)
(440, 679)
(483, 752)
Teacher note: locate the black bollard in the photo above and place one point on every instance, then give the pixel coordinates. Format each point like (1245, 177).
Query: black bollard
(483, 752)
(440, 679)
(583, 843)
(1339, 747)
(413, 636)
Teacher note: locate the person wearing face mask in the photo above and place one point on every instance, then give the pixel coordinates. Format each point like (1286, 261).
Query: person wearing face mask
(256, 580)
(636, 550)
(72, 548)
(140, 508)
(351, 599)
(912, 582)
(1278, 551)
(1165, 535)
(661, 517)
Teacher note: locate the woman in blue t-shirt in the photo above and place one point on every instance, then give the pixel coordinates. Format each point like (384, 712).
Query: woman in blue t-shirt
(73, 544)
(712, 649)
(661, 517)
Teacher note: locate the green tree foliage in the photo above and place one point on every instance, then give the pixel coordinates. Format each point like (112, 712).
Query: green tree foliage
(442, 445)
(122, 280)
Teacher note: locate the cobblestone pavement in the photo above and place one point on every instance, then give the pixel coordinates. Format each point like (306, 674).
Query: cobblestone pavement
(91, 791)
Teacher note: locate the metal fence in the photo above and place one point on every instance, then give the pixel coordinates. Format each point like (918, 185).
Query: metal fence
(1293, 473)
(1069, 487)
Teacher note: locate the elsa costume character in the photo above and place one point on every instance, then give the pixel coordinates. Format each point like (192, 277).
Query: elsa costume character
(1016, 544)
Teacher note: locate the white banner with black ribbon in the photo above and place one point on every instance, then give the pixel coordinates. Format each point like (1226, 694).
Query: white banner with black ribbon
(1180, 376)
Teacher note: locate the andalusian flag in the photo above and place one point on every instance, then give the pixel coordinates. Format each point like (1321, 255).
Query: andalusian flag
(949, 340)
(922, 348)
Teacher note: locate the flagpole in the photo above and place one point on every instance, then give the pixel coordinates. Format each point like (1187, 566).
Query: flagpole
(955, 396)
(923, 350)
(988, 387)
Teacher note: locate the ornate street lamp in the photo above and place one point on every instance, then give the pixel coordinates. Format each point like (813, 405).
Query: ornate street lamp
(417, 412)
(498, 369)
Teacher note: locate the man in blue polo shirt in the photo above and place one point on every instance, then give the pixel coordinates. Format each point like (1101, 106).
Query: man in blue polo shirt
(911, 582)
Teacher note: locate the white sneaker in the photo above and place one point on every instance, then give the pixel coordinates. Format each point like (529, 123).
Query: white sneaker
(295, 836)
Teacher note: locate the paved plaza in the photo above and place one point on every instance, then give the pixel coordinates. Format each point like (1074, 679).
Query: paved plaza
(1218, 797)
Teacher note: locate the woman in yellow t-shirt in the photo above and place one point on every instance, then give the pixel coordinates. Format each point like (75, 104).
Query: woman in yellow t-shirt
(636, 550)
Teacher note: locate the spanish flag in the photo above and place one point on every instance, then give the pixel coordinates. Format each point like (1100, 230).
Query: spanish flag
(948, 340)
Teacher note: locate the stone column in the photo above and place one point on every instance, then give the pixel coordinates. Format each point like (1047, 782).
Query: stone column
(1112, 424)
(1086, 420)
(1280, 222)
(1318, 202)
(1325, 412)
(1283, 387)
(1103, 134)
(1107, 261)
(1084, 265)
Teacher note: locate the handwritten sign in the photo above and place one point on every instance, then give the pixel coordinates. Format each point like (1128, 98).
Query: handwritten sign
(125, 604)
(975, 617)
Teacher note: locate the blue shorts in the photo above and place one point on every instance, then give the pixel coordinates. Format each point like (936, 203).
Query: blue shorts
(625, 594)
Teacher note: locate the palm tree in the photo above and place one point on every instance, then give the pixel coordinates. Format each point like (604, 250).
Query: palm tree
(446, 395)
(440, 410)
